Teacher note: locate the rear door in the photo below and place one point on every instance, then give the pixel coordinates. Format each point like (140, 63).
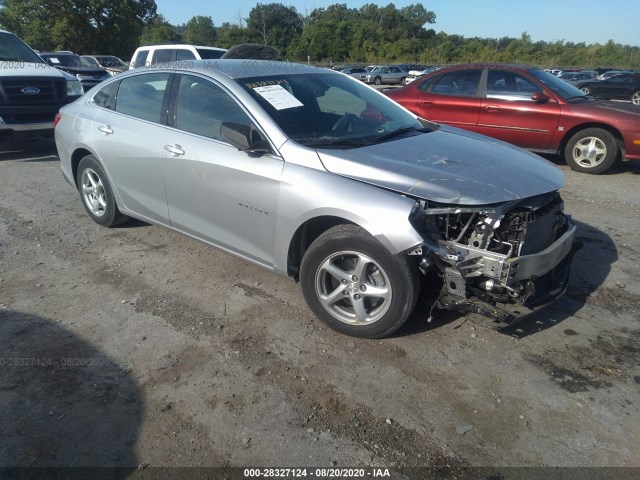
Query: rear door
(451, 98)
(508, 112)
(128, 135)
(617, 87)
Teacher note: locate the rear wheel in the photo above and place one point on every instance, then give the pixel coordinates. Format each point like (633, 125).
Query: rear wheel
(96, 193)
(592, 150)
(635, 98)
(354, 285)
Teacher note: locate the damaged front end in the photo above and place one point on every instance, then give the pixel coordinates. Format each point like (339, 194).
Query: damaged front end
(502, 261)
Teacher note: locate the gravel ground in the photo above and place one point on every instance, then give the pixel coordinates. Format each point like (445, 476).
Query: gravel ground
(138, 346)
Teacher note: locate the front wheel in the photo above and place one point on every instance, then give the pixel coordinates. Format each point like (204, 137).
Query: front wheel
(586, 90)
(354, 285)
(96, 193)
(377, 81)
(635, 98)
(592, 150)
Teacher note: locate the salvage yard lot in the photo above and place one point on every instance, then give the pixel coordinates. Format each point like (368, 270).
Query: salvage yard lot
(137, 345)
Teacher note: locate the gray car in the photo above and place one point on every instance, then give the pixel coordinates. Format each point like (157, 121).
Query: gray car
(390, 74)
(313, 175)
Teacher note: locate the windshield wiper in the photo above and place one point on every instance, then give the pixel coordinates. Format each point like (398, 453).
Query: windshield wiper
(331, 142)
(398, 132)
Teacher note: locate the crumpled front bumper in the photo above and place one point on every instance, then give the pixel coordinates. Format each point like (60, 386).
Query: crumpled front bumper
(534, 280)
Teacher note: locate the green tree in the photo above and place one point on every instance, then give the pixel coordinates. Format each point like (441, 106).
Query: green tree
(229, 35)
(159, 30)
(200, 31)
(96, 26)
(274, 24)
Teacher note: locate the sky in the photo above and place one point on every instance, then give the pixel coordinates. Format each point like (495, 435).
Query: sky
(588, 21)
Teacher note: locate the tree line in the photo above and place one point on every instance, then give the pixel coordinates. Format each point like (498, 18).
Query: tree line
(335, 34)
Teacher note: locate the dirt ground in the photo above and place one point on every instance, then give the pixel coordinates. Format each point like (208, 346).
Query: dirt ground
(137, 346)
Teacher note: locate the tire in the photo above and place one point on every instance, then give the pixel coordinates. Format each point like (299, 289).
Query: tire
(377, 81)
(372, 306)
(402, 80)
(586, 90)
(635, 97)
(96, 193)
(592, 150)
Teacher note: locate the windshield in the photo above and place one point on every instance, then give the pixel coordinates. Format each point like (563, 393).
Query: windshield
(92, 61)
(561, 88)
(12, 49)
(66, 60)
(330, 110)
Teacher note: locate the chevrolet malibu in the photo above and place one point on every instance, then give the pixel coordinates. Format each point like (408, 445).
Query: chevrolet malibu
(315, 176)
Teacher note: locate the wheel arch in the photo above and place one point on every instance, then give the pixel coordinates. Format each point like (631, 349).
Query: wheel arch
(76, 156)
(617, 135)
(305, 235)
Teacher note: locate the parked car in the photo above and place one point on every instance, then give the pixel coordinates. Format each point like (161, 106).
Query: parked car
(413, 74)
(625, 86)
(31, 92)
(388, 74)
(110, 63)
(320, 178)
(612, 73)
(356, 72)
(529, 108)
(71, 63)
(151, 55)
(575, 77)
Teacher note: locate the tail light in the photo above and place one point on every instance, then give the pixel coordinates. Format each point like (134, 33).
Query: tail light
(57, 119)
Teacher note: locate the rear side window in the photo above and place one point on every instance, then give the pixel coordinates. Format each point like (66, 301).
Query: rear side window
(183, 54)
(140, 58)
(163, 55)
(207, 54)
(106, 96)
(202, 106)
(142, 96)
(461, 83)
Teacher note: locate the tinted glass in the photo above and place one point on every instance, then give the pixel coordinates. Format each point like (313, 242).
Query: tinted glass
(12, 49)
(182, 54)
(142, 96)
(207, 54)
(140, 59)
(163, 55)
(557, 86)
(106, 96)
(509, 85)
(462, 83)
(202, 106)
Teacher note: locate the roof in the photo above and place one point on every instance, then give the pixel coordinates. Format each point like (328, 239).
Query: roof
(238, 68)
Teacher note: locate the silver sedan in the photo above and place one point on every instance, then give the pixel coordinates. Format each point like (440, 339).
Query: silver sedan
(318, 177)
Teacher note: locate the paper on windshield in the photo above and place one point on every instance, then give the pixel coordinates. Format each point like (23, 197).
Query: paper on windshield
(54, 60)
(278, 97)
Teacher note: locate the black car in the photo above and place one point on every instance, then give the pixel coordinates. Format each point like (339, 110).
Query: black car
(625, 86)
(88, 75)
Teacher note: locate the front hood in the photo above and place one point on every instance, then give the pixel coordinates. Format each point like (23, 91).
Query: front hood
(620, 110)
(449, 166)
(22, 69)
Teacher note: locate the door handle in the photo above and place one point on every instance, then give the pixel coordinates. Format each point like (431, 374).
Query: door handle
(175, 150)
(492, 108)
(106, 129)
(427, 103)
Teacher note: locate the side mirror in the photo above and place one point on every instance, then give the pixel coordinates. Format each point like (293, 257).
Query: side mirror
(539, 97)
(243, 137)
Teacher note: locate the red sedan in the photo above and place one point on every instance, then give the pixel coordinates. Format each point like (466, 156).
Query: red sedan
(530, 108)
